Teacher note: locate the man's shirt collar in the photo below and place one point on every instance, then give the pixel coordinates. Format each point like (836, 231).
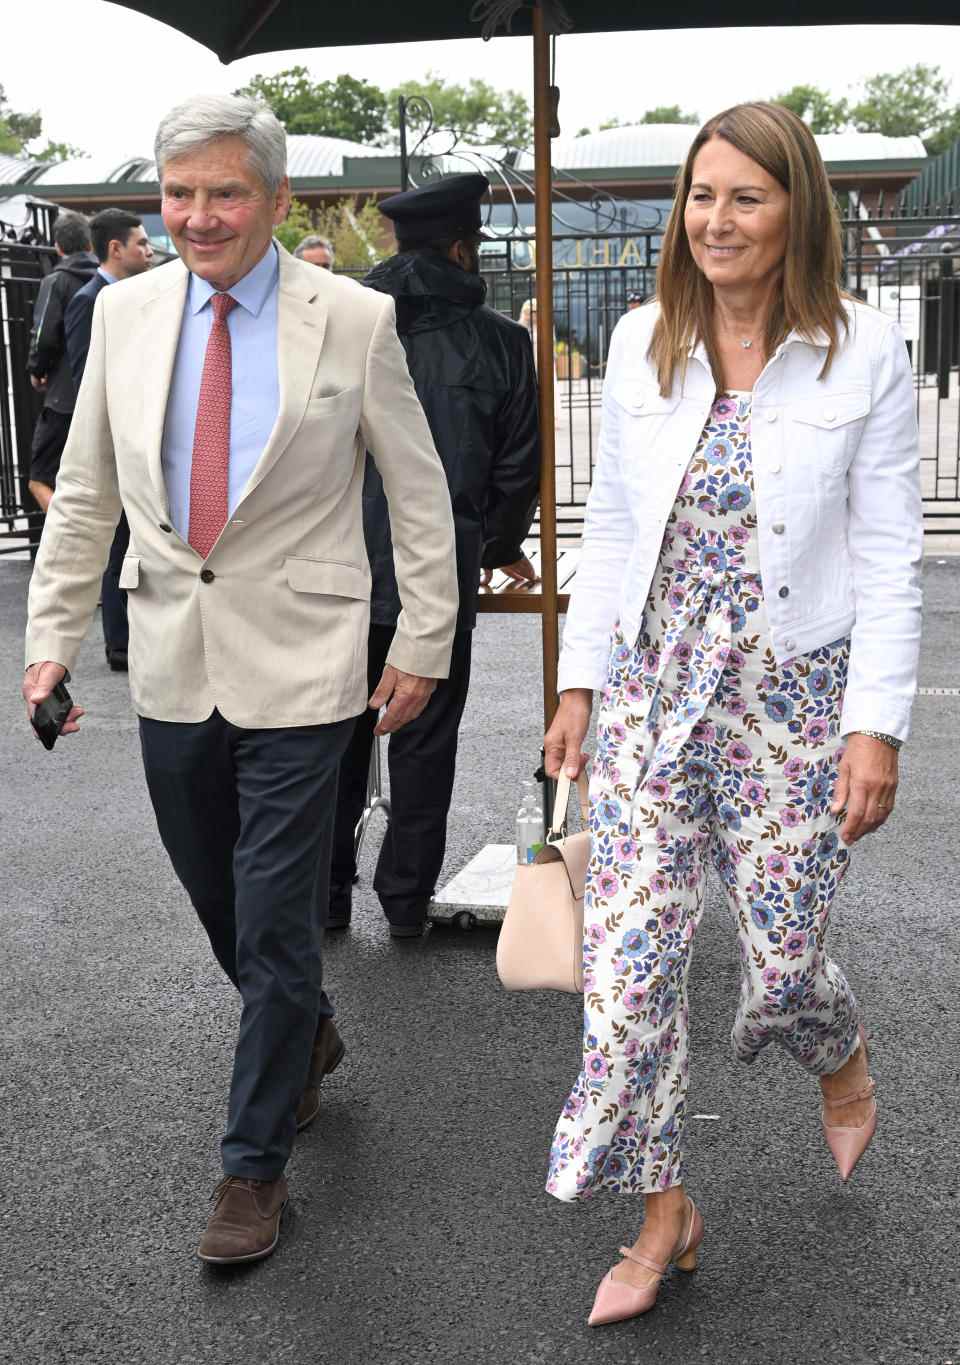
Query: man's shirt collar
(251, 292)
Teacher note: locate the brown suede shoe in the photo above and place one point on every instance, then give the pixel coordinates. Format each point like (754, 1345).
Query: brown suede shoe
(328, 1050)
(245, 1223)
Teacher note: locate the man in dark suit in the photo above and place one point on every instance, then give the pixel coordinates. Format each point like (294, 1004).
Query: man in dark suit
(47, 362)
(474, 374)
(123, 249)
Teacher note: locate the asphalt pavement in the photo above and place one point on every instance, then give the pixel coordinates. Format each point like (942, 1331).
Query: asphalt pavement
(419, 1230)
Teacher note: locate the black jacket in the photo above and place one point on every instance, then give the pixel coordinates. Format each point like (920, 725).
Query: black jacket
(78, 323)
(48, 351)
(474, 375)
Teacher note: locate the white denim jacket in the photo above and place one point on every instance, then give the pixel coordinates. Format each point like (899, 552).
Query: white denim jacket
(836, 472)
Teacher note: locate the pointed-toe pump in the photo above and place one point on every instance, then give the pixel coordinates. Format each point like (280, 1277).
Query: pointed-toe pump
(847, 1143)
(617, 1301)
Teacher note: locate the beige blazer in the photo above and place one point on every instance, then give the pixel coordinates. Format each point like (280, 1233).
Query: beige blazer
(271, 629)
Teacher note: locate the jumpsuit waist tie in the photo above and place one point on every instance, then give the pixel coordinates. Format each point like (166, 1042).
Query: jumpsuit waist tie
(708, 598)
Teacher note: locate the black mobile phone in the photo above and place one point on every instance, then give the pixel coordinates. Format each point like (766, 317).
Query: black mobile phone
(50, 716)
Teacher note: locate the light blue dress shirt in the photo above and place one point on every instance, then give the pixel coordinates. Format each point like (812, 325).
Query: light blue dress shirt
(256, 384)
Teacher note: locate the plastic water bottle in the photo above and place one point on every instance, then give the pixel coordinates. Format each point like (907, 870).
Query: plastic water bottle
(529, 825)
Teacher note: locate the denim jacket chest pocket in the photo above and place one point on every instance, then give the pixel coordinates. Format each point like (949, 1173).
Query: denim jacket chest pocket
(642, 414)
(829, 427)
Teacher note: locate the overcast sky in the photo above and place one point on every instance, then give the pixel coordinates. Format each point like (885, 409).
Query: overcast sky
(102, 75)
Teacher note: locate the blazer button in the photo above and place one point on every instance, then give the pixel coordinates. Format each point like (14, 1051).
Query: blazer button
(165, 527)
(784, 591)
(207, 576)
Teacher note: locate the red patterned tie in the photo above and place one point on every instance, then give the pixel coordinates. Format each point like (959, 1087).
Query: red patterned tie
(209, 474)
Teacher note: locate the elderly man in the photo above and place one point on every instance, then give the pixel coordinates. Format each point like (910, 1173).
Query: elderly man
(226, 405)
(316, 250)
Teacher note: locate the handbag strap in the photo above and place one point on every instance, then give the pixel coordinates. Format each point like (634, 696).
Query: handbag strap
(559, 821)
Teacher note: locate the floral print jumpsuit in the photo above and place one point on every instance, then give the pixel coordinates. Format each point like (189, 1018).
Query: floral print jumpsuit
(706, 747)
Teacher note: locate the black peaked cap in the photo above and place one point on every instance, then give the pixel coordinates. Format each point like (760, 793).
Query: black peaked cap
(449, 207)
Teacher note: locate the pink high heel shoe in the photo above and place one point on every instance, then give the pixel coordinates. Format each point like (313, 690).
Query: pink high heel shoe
(616, 1301)
(848, 1144)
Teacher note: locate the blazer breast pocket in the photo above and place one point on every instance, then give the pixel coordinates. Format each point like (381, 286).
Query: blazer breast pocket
(319, 404)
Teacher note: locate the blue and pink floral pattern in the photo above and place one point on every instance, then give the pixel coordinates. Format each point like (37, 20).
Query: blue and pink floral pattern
(707, 748)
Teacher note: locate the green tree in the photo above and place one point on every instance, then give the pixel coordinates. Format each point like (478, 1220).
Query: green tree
(669, 113)
(816, 107)
(356, 230)
(477, 111)
(17, 131)
(663, 113)
(346, 107)
(915, 100)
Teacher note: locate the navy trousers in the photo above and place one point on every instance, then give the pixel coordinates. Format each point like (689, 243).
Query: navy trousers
(247, 819)
(422, 761)
(112, 596)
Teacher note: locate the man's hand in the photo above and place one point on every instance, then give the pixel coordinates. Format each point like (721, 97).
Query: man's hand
(403, 694)
(38, 383)
(866, 786)
(521, 572)
(562, 744)
(38, 682)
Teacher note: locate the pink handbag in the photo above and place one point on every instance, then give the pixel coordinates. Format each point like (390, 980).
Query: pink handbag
(541, 941)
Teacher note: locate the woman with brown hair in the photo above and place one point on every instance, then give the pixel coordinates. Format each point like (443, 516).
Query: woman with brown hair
(748, 602)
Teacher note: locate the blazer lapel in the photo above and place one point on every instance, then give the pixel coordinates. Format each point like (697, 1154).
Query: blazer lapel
(162, 317)
(301, 322)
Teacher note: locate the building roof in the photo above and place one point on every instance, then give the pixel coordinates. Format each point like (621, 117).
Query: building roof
(15, 170)
(666, 144)
(306, 156)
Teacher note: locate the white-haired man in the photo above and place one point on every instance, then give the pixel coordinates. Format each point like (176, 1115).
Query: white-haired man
(226, 405)
(316, 250)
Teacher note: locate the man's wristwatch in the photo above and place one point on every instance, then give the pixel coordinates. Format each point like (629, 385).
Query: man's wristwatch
(884, 739)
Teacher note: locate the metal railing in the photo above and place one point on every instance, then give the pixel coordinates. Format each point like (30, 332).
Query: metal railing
(906, 264)
(22, 267)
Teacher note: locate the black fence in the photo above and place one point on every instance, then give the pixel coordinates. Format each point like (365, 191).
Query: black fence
(22, 267)
(906, 265)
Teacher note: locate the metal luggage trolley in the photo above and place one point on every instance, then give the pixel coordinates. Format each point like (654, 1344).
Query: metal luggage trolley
(478, 895)
(375, 799)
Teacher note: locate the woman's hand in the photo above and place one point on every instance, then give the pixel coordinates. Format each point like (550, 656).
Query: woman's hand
(866, 786)
(562, 744)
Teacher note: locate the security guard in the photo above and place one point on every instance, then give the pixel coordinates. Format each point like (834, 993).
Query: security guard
(474, 374)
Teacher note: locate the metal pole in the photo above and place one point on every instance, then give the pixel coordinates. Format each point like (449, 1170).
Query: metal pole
(543, 197)
(947, 299)
(404, 160)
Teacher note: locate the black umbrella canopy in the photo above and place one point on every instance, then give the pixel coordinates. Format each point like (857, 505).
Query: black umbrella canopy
(242, 28)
